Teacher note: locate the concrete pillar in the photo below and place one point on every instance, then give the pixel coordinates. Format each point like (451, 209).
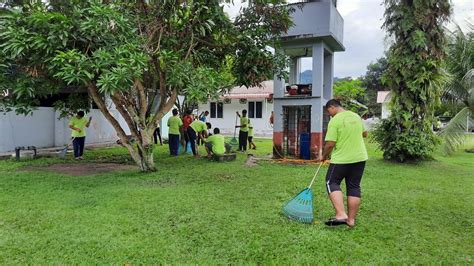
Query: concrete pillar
(317, 106)
(318, 69)
(328, 76)
(278, 87)
(294, 69)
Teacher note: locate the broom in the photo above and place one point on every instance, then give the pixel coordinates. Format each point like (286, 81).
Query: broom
(300, 208)
(63, 152)
(234, 141)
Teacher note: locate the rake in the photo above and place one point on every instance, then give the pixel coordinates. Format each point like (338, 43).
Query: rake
(63, 152)
(234, 141)
(300, 208)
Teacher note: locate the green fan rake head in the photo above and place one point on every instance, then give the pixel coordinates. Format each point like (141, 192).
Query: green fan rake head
(300, 208)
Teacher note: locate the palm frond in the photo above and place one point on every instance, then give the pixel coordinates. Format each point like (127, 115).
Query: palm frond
(454, 134)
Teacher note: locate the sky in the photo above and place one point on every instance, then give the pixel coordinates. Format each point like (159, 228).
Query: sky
(364, 39)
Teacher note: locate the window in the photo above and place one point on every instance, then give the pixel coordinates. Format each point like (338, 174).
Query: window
(255, 109)
(217, 110)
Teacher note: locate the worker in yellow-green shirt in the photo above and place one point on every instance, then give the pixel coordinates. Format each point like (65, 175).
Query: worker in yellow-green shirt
(345, 144)
(197, 129)
(244, 130)
(174, 123)
(250, 138)
(215, 144)
(78, 125)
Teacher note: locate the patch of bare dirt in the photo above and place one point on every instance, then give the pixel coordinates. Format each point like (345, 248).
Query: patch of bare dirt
(83, 169)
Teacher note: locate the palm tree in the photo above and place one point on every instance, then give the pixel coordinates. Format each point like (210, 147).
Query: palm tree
(459, 88)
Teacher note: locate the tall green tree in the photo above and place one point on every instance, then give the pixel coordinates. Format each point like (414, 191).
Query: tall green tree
(351, 94)
(460, 88)
(372, 81)
(136, 55)
(414, 76)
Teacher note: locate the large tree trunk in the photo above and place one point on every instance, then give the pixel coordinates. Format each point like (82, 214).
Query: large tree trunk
(141, 151)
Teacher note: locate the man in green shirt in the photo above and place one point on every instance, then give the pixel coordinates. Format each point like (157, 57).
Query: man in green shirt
(78, 125)
(345, 145)
(174, 123)
(215, 144)
(197, 129)
(244, 130)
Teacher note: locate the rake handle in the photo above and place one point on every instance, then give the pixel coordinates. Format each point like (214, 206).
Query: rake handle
(235, 129)
(316, 174)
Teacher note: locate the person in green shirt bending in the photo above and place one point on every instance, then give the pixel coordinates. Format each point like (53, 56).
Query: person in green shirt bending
(345, 145)
(78, 125)
(215, 144)
(174, 123)
(244, 130)
(197, 129)
(250, 138)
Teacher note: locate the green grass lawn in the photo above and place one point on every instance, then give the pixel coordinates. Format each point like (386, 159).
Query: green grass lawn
(197, 211)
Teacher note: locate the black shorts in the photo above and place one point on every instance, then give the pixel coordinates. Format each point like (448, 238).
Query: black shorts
(250, 139)
(352, 173)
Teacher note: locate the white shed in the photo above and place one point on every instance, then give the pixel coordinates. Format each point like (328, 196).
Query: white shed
(383, 97)
(258, 101)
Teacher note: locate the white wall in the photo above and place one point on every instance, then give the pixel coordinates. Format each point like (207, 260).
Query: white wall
(226, 124)
(32, 130)
(44, 129)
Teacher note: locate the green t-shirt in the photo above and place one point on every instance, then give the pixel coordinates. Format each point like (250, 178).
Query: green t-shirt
(244, 120)
(198, 126)
(346, 130)
(174, 124)
(79, 123)
(250, 129)
(217, 141)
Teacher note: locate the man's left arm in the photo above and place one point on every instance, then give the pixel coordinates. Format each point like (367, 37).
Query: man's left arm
(89, 122)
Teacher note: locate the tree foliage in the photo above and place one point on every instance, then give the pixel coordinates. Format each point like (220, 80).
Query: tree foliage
(460, 88)
(138, 55)
(414, 76)
(351, 94)
(372, 81)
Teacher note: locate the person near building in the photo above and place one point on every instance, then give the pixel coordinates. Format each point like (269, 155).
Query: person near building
(174, 124)
(244, 130)
(78, 124)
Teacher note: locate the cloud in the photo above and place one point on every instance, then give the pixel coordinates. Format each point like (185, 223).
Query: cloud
(363, 37)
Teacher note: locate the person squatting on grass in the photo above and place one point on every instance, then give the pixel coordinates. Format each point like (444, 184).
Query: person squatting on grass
(197, 129)
(250, 138)
(78, 125)
(174, 124)
(215, 144)
(345, 145)
(244, 130)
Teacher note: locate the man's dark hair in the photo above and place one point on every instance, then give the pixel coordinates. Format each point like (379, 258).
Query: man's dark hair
(333, 103)
(175, 111)
(206, 112)
(217, 130)
(244, 111)
(208, 125)
(80, 113)
(189, 112)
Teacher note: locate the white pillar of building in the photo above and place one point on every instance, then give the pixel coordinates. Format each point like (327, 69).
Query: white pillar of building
(317, 87)
(328, 76)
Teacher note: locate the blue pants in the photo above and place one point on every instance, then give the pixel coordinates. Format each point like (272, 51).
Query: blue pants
(174, 144)
(78, 144)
